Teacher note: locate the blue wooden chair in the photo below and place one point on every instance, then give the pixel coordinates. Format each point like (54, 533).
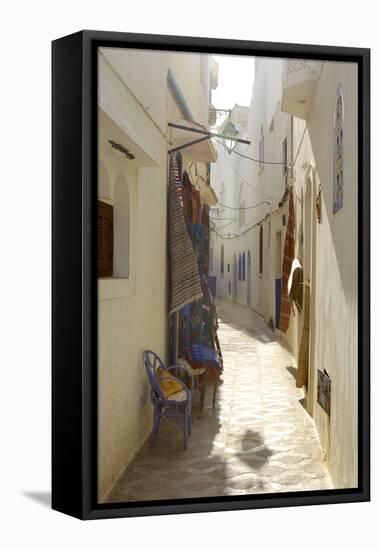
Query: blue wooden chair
(177, 406)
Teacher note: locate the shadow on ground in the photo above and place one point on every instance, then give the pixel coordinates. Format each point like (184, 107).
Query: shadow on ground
(169, 471)
(42, 497)
(256, 440)
(292, 371)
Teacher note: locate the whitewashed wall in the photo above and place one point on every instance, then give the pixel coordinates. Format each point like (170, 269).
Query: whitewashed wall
(135, 106)
(334, 241)
(335, 257)
(260, 184)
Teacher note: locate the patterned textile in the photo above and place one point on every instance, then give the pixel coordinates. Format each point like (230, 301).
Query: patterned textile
(205, 223)
(302, 365)
(295, 284)
(186, 194)
(203, 354)
(191, 200)
(195, 205)
(288, 256)
(210, 314)
(185, 284)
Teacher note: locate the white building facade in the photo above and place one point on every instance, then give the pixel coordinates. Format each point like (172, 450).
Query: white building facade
(302, 124)
(140, 92)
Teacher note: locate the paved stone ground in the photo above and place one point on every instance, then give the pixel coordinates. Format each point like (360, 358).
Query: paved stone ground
(258, 439)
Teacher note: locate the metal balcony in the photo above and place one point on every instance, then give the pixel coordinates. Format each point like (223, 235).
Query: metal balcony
(299, 79)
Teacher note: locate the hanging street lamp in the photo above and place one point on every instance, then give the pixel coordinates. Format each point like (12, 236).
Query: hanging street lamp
(229, 135)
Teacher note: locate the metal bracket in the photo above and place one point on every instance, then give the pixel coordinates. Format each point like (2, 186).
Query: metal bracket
(185, 145)
(205, 133)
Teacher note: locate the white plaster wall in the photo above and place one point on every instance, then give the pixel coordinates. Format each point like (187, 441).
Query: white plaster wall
(223, 176)
(334, 255)
(131, 315)
(261, 185)
(334, 330)
(189, 70)
(136, 71)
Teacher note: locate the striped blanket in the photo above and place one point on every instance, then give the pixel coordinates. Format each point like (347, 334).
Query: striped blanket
(185, 286)
(288, 256)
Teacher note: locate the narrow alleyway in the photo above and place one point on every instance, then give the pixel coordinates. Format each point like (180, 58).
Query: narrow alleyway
(259, 438)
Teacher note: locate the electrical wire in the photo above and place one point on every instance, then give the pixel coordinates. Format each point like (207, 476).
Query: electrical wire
(236, 235)
(226, 225)
(218, 219)
(243, 207)
(266, 161)
(243, 179)
(250, 207)
(251, 158)
(245, 230)
(259, 161)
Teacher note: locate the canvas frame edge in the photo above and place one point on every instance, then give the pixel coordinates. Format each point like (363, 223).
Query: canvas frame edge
(74, 479)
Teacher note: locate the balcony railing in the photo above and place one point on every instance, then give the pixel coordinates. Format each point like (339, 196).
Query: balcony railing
(299, 78)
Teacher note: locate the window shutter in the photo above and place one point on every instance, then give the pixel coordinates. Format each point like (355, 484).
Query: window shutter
(104, 239)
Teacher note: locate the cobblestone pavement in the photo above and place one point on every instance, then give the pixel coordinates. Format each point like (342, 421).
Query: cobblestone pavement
(258, 438)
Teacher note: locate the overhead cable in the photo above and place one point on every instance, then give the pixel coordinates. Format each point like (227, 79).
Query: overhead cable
(243, 207)
(245, 180)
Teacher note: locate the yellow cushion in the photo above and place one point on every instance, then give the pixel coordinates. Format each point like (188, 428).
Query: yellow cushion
(180, 396)
(168, 387)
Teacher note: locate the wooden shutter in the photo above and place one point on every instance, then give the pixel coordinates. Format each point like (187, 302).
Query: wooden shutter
(104, 239)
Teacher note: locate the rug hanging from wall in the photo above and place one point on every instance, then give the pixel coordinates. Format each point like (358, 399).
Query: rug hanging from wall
(288, 257)
(185, 286)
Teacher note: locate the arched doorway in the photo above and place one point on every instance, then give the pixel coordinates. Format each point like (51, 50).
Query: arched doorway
(234, 285)
(248, 279)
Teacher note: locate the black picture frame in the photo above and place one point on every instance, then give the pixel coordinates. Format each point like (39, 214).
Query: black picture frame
(74, 294)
